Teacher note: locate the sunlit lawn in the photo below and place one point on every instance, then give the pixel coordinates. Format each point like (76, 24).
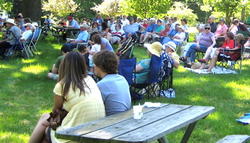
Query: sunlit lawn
(26, 93)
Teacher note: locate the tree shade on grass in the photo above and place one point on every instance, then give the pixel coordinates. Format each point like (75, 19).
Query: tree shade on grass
(26, 93)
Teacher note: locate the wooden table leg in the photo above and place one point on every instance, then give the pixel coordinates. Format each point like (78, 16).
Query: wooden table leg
(162, 140)
(188, 132)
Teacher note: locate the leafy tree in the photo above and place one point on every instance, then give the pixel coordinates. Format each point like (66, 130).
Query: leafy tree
(180, 11)
(6, 5)
(29, 8)
(60, 8)
(223, 8)
(145, 8)
(84, 9)
(108, 7)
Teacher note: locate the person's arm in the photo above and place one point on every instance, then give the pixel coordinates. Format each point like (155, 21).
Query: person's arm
(175, 59)
(213, 40)
(138, 68)
(54, 69)
(58, 102)
(3, 40)
(176, 64)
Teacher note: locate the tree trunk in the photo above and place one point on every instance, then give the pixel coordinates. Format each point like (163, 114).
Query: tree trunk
(29, 8)
(243, 13)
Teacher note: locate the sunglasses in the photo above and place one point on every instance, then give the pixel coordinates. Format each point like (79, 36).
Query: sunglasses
(207, 28)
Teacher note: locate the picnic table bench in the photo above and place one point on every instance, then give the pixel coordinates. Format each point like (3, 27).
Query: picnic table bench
(154, 125)
(235, 139)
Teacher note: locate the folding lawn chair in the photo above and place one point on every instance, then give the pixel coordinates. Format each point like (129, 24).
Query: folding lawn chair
(151, 87)
(36, 36)
(226, 61)
(126, 50)
(26, 47)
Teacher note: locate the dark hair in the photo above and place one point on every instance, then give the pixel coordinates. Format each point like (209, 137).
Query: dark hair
(72, 71)
(82, 48)
(236, 21)
(27, 20)
(104, 25)
(230, 35)
(184, 20)
(118, 25)
(92, 34)
(66, 49)
(97, 39)
(107, 61)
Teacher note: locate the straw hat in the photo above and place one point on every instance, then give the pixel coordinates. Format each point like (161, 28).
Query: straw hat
(154, 48)
(11, 21)
(212, 17)
(171, 45)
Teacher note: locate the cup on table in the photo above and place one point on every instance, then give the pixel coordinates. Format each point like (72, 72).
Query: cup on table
(137, 110)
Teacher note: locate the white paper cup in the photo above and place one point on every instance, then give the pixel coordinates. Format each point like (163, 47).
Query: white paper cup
(137, 110)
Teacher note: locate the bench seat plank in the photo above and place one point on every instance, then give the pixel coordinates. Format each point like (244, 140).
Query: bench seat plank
(234, 139)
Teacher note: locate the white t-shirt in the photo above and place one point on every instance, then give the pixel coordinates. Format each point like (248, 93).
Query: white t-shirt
(182, 36)
(26, 34)
(125, 22)
(234, 30)
(95, 48)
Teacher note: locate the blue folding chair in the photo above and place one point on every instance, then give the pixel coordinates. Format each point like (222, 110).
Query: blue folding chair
(126, 68)
(35, 38)
(151, 86)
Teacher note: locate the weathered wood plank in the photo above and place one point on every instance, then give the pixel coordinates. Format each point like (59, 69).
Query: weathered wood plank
(75, 132)
(235, 139)
(167, 125)
(132, 124)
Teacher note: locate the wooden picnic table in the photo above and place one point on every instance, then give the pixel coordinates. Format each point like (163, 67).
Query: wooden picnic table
(154, 125)
(61, 32)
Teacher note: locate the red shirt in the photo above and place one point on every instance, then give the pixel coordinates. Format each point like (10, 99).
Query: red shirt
(228, 43)
(164, 32)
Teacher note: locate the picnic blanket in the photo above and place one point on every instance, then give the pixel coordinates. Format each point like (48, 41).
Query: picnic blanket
(215, 70)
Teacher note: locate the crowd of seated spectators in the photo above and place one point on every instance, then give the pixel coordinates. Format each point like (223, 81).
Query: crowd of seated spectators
(92, 53)
(15, 31)
(212, 39)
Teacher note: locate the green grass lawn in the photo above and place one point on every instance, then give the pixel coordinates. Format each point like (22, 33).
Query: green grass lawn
(26, 93)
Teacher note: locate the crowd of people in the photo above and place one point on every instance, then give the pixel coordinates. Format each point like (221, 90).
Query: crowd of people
(15, 31)
(91, 54)
(218, 42)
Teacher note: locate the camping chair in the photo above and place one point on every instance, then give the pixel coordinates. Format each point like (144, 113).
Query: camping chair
(126, 50)
(227, 62)
(17, 47)
(166, 72)
(26, 47)
(35, 38)
(126, 68)
(13, 50)
(151, 86)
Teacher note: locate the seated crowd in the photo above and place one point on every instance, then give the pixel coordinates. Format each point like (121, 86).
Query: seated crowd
(15, 32)
(91, 54)
(217, 42)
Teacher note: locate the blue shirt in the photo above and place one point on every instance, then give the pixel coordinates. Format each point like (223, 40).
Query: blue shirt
(74, 24)
(172, 33)
(115, 93)
(83, 36)
(131, 28)
(142, 76)
(151, 28)
(108, 46)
